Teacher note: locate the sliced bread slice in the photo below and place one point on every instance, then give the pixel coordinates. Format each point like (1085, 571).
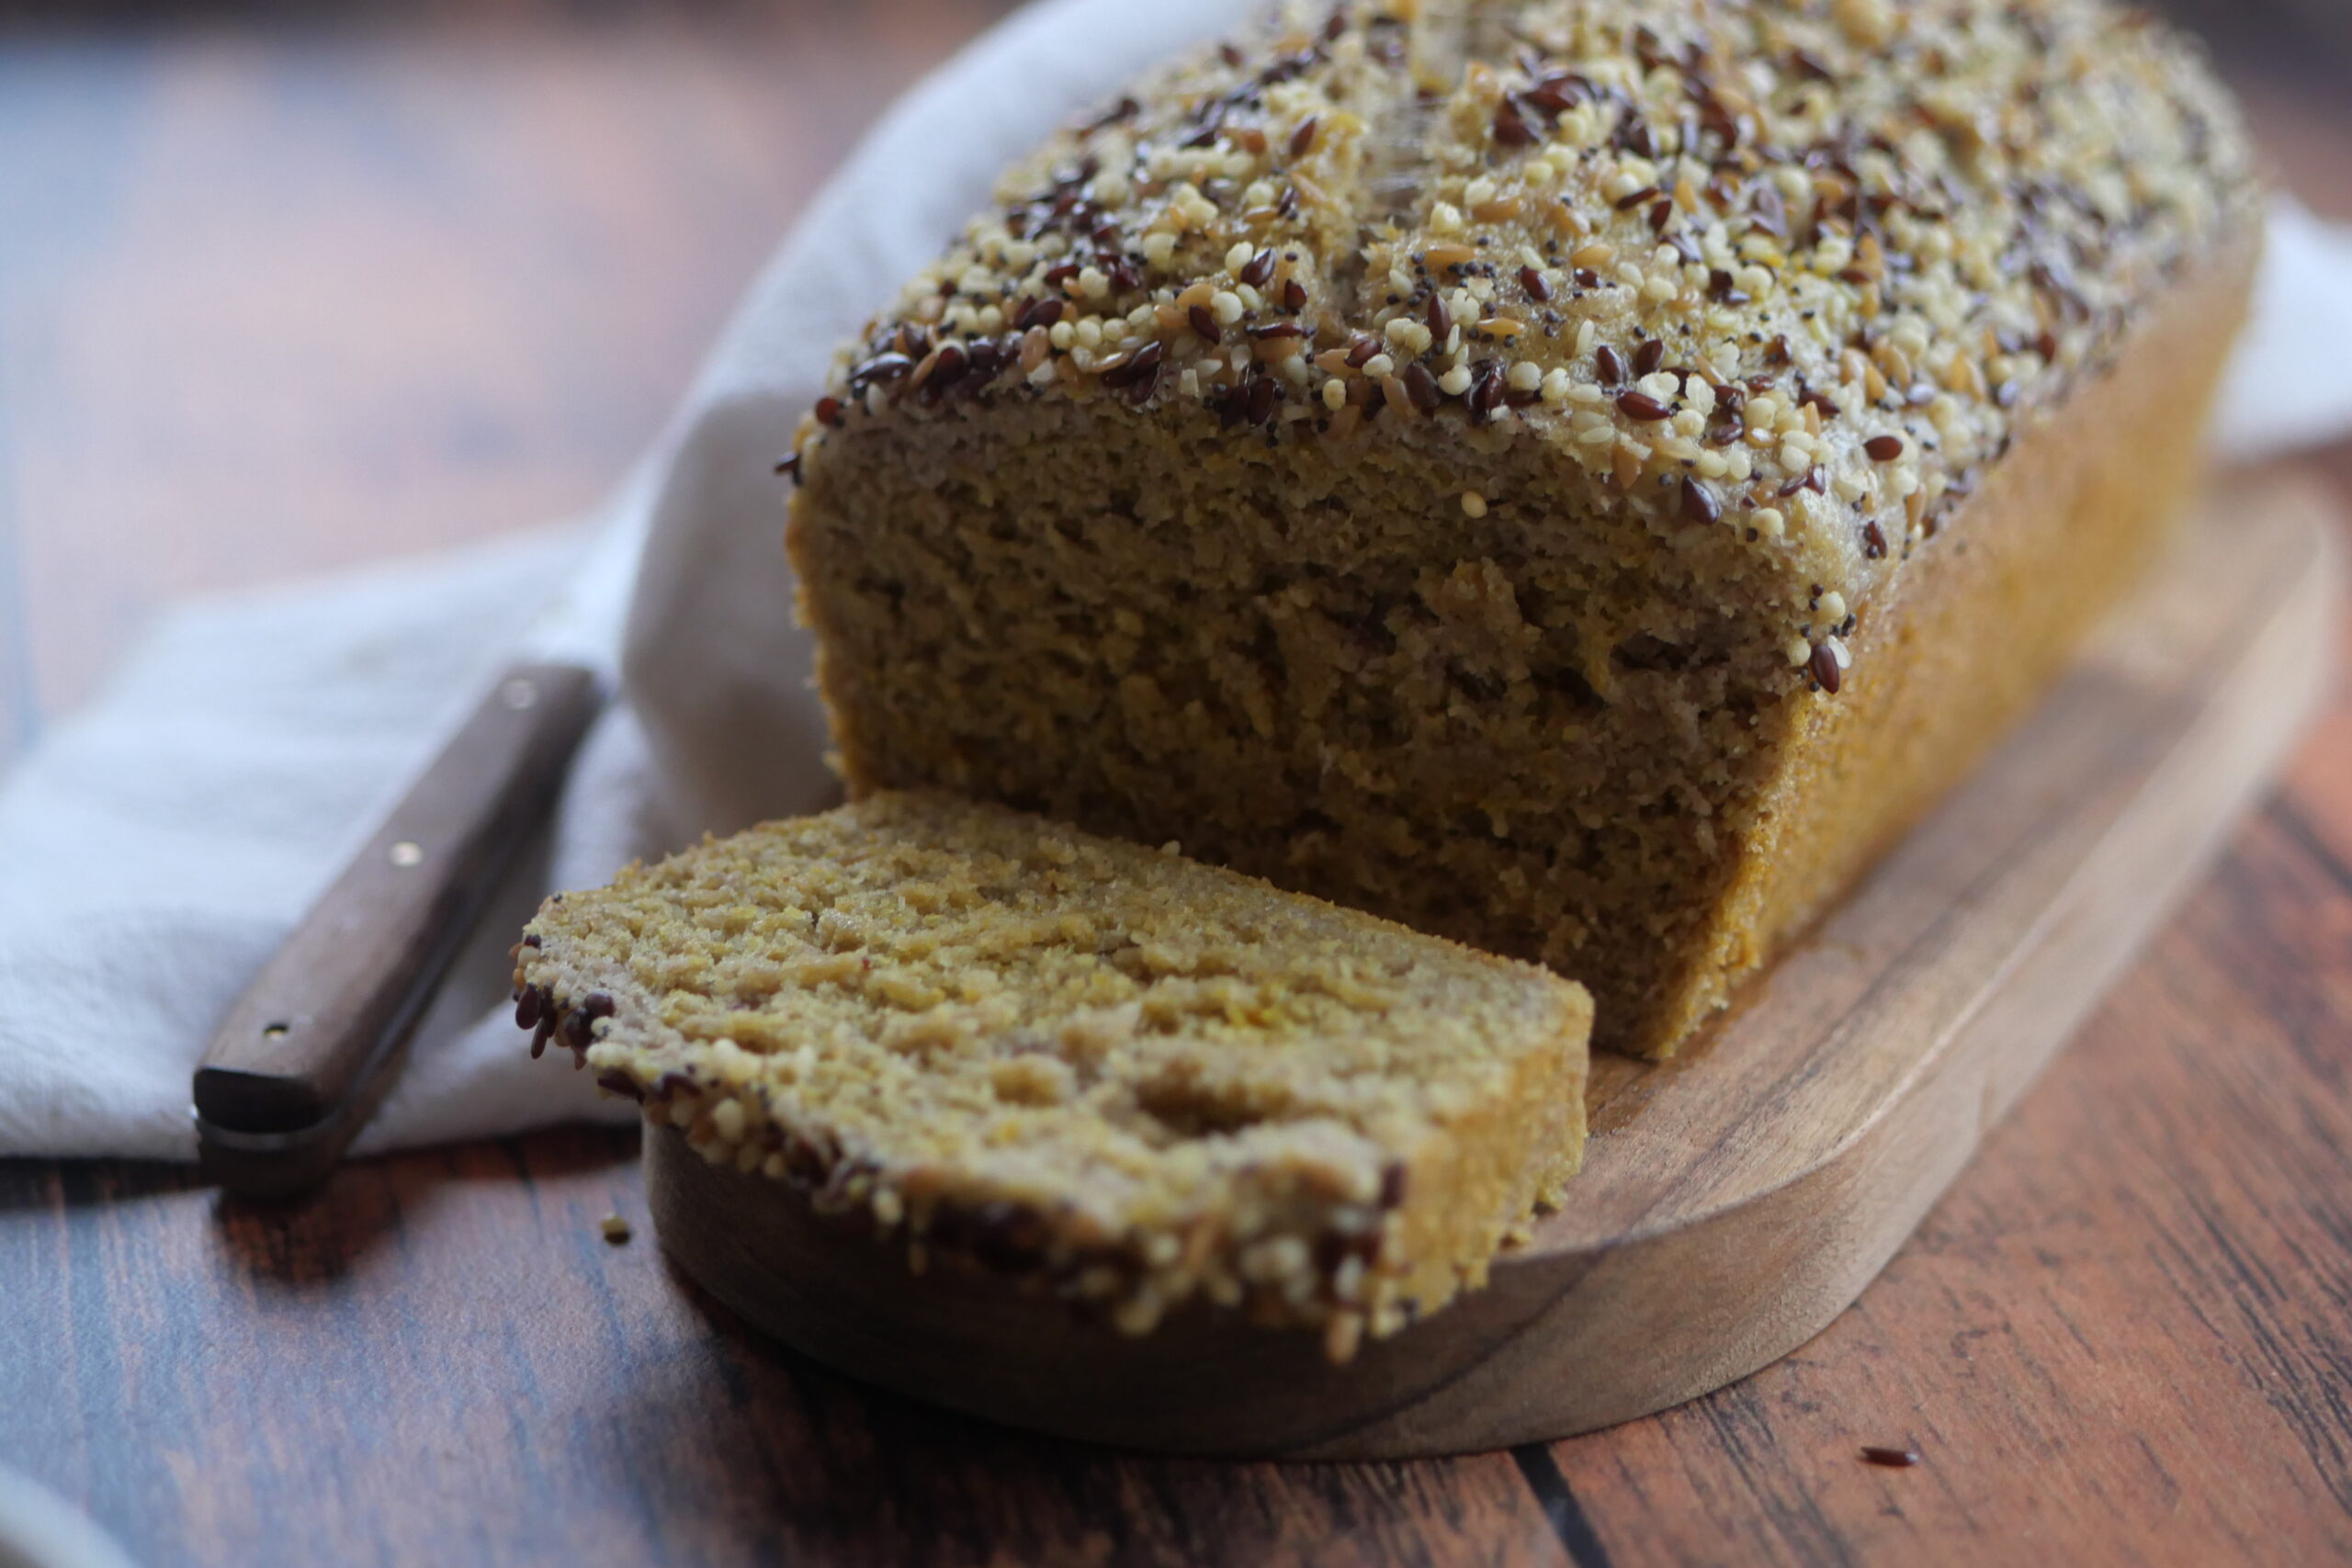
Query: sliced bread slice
(1132, 1078)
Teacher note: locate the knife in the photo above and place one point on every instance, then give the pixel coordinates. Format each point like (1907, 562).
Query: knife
(308, 1052)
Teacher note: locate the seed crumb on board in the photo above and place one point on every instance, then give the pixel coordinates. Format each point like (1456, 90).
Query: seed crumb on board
(616, 1229)
(1897, 1459)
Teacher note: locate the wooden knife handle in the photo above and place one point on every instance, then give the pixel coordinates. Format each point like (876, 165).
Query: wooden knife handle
(310, 1045)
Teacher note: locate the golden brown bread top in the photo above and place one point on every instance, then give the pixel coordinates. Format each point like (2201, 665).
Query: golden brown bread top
(1796, 267)
(1140, 1076)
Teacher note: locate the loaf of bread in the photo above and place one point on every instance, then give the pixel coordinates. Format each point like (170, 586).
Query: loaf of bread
(1577, 476)
(1131, 1077)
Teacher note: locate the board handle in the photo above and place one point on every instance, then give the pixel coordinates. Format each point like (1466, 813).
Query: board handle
(308, 1050)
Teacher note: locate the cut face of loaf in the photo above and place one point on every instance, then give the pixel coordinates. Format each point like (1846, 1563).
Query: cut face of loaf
(1132, 1078)
(1577, 477)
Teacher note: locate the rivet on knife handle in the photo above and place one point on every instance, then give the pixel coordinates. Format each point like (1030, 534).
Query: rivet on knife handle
(306, 1053)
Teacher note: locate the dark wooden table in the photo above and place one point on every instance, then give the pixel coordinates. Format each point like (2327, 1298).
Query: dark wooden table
(272, 302)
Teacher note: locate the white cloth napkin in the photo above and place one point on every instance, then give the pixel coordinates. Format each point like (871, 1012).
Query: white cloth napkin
(157, 847)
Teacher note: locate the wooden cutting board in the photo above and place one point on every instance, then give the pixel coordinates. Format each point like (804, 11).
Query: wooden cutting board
(1733, 1201)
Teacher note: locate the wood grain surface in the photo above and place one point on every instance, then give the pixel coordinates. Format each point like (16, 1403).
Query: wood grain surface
(278, 300)
(271, 302)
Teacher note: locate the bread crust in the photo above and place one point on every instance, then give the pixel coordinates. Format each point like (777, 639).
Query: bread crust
(1460, 461)
(2059, 533)
(1117, 1076)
